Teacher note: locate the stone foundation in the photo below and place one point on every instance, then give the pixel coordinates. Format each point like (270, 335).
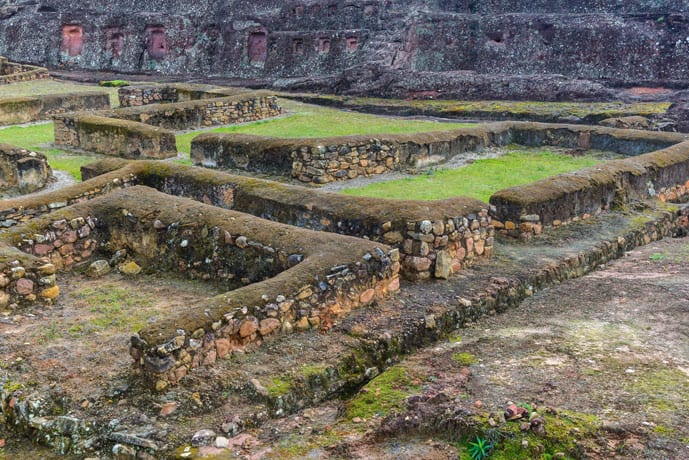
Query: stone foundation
(145, 131)
(11, 72)
(22, 171)
(341, 158)
(28, 109)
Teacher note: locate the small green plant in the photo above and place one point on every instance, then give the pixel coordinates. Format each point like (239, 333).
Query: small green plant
(464, 359)
(480, 449)
(657, 257)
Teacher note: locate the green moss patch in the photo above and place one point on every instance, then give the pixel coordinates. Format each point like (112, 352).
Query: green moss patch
(384, 394)
(464, 359)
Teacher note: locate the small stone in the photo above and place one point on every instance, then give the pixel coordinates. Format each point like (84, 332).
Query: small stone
(4, 281)
(4, 299)
(425, 226)
(24, 286)
(525, 444)
(222, 442)
(367, 296)
(203, 438)
(130, 268)
(357, 420)
(51, 293)
(303, 324)
(168, 408)
(268, 326)
(259, 388)
(430, 322)
(443, 265)
(98, 268)
(248, 327)
(47, 269)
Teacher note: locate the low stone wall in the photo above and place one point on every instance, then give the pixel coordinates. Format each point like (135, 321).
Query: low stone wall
(340, 158)
(301, 279)
(138, 95)
(108, 131)
(28, 109)
(203, 113)
(25, 280)
(21, 210)
(11, 72)
(325, 160)
(555, 201)
(22, 171)
(110, 136)
(435, 238)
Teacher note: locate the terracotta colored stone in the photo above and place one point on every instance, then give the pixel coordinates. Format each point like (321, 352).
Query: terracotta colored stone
(367, 296)
(268, 326)
(24, 286)
(41, 250)
(210, 358)
(222, 347)
(394, 284)
(248, 327)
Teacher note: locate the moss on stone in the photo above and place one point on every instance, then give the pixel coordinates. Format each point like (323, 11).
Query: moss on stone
(382, 395)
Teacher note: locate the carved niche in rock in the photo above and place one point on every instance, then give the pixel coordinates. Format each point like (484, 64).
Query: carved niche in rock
(72, 39)
(156, 46)
(257, 47)
(114, 42)
(352, 43)
(324, 45)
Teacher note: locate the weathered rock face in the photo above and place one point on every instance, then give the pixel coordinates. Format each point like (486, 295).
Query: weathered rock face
(596, 39)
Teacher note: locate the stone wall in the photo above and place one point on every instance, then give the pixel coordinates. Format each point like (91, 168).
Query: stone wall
(35, 108)
(137, 95)
(435, 238)
(340, 158)
(11, 72)
(111, 136)
(558, 200)
(144, 131)
(26, 280)
(22, 171)
(284, 279)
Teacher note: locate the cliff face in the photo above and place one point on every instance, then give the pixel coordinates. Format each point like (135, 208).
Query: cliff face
(629, 41)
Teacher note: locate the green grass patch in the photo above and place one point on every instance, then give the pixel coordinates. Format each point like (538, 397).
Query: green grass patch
(113, 83)
(660, 389)
(479, 179)
(38, 138)
(113, 307)
(308, 121)
(387, 392)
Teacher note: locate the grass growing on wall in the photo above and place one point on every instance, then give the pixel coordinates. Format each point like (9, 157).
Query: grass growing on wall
(38, 138)
(480, 179)
(306, 120)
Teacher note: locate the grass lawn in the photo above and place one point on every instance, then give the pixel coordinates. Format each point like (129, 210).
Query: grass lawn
(305, 120)
(479, 179)
(38, 138)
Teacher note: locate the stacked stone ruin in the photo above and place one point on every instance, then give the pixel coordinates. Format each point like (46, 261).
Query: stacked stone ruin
(255, 238)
